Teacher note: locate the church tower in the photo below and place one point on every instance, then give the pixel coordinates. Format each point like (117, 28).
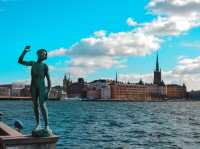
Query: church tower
(157, 73)
(66, 82)
(116, 78)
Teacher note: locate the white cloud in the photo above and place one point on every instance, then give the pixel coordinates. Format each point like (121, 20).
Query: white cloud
(175, 7)
(81, 66)
(101, 51)
(104, 62)
(116, 44)
(57, 52)
(192, 44)
(188, 66)
(187, 71)
(131, 22)
(181, 57)
(174, 16)
(100, 33)
(22, 81)
(170, 26)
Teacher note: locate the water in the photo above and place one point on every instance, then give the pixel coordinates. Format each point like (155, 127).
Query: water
(122, 125)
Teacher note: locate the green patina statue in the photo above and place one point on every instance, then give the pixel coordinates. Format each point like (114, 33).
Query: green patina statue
(39, 71)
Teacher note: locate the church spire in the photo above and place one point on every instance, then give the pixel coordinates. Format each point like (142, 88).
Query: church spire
(157, 73)
(116, 78)
(65, 77)
(157, 63)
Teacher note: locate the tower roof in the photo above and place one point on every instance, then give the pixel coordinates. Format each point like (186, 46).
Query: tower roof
(65, 77)
(157, 63)
(116, 78)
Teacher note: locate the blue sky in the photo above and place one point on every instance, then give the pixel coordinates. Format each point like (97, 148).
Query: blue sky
(97, 38)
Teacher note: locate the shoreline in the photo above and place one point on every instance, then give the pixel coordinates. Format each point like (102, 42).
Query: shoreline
(13, 98)
(156, 100)
(3, 98)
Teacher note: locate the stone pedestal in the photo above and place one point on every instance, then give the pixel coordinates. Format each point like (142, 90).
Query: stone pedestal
(11, 139)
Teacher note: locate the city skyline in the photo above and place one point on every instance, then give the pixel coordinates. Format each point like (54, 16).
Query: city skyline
(99, 38)
(157, 78)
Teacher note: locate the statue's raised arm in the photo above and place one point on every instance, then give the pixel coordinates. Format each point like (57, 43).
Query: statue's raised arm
(21, 58)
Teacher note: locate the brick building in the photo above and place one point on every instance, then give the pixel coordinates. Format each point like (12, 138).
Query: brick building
(77, 89)
(176, 91)
(124, 91)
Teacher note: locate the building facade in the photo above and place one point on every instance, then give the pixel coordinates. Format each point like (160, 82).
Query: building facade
(176, 91)
(103, 87)
(5, 91)
(77, 89)
(55, 92)
(25, 92)
(156, 91)
(93, 93)
(124, 91)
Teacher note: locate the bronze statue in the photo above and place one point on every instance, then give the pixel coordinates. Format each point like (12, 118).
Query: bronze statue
(39, 71)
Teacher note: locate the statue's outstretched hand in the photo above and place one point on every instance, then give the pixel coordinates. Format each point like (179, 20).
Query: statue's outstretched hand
(27, 48)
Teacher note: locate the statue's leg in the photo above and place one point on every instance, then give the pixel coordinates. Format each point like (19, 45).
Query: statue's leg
(35, 94)
(43, 107)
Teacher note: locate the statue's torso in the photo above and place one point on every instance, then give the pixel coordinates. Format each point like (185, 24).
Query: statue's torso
(38, 71)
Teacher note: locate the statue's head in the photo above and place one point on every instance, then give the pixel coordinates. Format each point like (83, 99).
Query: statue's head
(42, 54)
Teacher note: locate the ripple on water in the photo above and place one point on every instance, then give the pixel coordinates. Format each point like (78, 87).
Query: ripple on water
(125, 125)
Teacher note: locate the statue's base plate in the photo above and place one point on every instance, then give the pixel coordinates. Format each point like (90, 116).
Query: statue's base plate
(41, 133)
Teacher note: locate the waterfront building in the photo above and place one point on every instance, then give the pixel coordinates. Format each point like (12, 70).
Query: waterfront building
(156, 91)
(77, 89)
(103, 86)
(5, 91)
(124, 91)
(176, 91)
(25, 92)
(106, 92)
(16, 89)
(56, 92)
(93, 92)
(142, 91)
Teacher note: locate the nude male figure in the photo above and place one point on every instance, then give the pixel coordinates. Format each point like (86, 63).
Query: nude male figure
(39, 71)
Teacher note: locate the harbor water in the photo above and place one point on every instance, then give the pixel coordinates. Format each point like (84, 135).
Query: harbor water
(122, 125)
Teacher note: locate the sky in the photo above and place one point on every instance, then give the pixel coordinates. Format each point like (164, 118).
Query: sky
(96, 38)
